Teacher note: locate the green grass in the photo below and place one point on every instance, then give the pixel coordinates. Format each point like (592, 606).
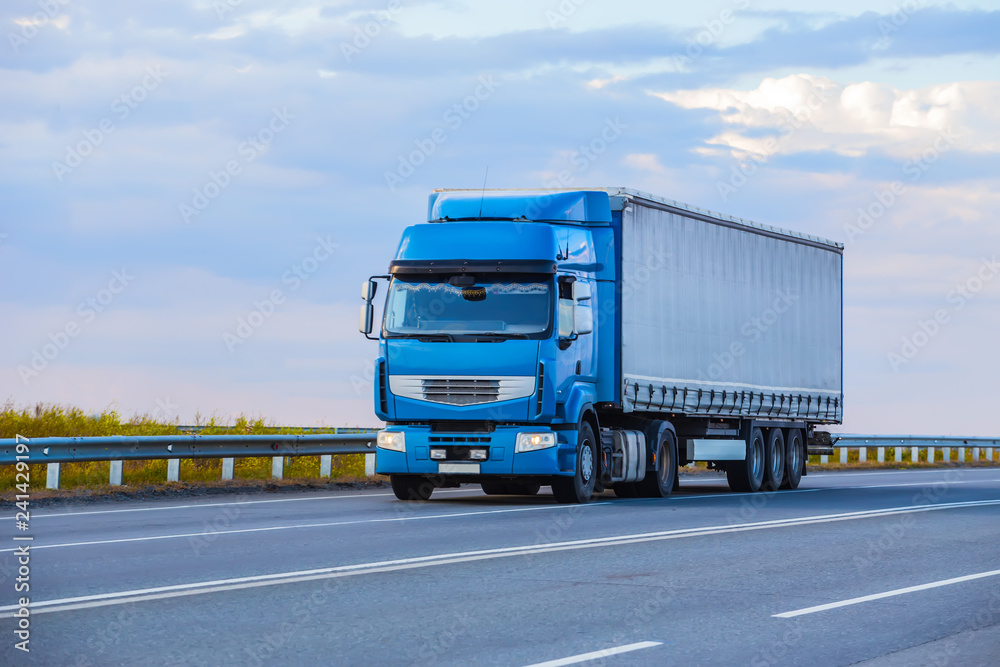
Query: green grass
(42, 421)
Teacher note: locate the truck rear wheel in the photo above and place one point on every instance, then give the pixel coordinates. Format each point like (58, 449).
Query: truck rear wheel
(774, 460)
(795, 459)
(746, 476)
(411, 487)
(659, 483)
(580, 487)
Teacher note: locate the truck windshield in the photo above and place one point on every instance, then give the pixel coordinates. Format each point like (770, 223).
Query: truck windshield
(515, 306)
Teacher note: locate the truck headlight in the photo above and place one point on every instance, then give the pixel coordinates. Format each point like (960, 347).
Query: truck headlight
(530, 442)
(393, 440)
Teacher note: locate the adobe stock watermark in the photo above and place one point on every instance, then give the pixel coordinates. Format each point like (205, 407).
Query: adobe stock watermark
(927, 330)
(562, 12)
(32, 25)
(293, 278)
(900, 16)
(122, 107)
(742, 171)
(246, 152)
(86, 311)
(914, 169)
(223, 7)
(752, 330)
(366, 34)
(712, 31)
(453, 118)
(587, 154)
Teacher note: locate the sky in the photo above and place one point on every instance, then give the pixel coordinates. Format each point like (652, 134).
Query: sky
(192, 192)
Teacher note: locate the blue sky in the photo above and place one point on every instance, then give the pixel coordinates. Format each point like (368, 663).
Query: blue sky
(170, 169)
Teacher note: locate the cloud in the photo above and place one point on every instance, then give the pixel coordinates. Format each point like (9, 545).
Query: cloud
(807, 113)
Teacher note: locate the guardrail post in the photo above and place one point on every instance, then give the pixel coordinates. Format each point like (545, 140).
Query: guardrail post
(173, 470)
(862, 454)
(824, 458)
(881, 454)
(961, 454)
(931, 455)
(989, 454)
(370, 464)
(52, 476)
(946, 454)
(843, 454)
(914, 454)
(278, 467)
(975, 454)
(228, 467)
(117, 468)
(325, 465)
(899, 454)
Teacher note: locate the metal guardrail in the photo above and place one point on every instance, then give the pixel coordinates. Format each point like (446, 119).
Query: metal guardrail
(117, 448)
(981, 449)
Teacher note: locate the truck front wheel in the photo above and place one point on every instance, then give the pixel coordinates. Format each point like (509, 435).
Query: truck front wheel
(580, 487)
(411, 487)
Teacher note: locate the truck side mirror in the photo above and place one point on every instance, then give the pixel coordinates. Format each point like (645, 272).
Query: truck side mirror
(565, 318)
(583, 319)
(368, 290)
(367, 318)
(583, 313)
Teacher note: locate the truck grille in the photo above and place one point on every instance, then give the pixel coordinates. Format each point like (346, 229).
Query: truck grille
(462, 390)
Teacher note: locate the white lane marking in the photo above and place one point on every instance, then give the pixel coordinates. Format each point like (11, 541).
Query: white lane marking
(901, 484)
(200, 588)
(887, 594)
(327, 524)
(596, 655)
(195, 506)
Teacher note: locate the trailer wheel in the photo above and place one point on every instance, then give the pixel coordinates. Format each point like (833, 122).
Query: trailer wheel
(659, 483)
(795, 459)
(411, 487)
(747, 475)
(579, 487)
(774, 460)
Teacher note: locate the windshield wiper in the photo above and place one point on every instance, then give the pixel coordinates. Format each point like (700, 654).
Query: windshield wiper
(503, 334)
(434, 337)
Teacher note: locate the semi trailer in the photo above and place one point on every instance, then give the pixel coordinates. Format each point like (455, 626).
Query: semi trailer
(599, 339)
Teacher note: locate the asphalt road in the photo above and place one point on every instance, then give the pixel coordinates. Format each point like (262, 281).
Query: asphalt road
(877, 568)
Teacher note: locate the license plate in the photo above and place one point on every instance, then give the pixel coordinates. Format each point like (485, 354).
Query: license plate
(459, 468)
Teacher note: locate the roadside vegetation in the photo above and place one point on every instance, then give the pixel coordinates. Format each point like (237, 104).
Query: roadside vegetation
(41, 421)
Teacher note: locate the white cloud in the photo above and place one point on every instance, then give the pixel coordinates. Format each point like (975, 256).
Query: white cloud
(811, 113)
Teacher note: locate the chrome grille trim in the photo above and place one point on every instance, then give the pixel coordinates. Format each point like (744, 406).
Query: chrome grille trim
(462, 389)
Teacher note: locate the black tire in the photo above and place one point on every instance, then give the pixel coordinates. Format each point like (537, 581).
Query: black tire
(495, 488)
(411, 487)
(580, 487)
(774, 460)
(795, 459)
(626, 490)
(746, 476)
(659, 483)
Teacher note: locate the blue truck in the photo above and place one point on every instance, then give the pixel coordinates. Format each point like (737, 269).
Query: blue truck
(599, 339)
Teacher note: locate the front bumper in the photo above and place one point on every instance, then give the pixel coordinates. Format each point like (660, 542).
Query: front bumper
(416, 460)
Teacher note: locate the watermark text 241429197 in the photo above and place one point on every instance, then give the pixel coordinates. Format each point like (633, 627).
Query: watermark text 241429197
(22, 584)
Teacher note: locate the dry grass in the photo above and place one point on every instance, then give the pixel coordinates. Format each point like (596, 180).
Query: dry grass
(43, 421)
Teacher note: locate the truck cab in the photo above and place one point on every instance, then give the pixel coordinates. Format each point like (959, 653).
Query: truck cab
(488, 347)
